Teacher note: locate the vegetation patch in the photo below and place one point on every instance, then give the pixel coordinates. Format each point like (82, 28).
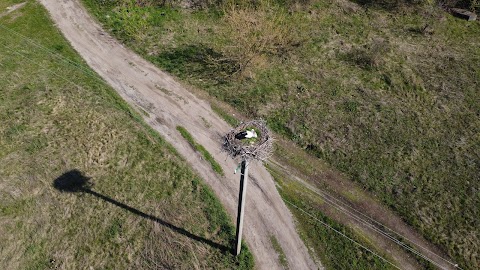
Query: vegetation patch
(281, 254)
(198, 147)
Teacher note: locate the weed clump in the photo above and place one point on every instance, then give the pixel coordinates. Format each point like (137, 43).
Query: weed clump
(369, 56)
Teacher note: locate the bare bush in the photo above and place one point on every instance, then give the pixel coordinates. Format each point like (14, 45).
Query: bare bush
(251, 33)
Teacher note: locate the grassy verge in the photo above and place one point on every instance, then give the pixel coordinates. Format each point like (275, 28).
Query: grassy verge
(281, 254)
(386, 94)
(208, 157)
(334, 251)
(226, 116)
(144, 208)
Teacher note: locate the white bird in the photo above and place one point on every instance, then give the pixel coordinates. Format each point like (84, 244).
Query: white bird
(246, 134)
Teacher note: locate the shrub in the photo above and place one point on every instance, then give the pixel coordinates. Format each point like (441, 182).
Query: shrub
(248, 34)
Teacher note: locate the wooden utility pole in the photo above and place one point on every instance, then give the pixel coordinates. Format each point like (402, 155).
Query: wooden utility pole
(241, 205)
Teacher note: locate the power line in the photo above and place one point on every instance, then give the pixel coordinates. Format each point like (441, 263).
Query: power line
(378, 230)
(12, 50)
(340, 233)
(339, 205)
(325, 194)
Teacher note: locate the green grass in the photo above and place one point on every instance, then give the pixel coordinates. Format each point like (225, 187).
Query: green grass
(57, 117)
(281, 254)
(392, 106)
(226, 116)
(208, 157)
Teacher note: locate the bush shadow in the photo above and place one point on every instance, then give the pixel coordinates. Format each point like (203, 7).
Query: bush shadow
(199, 62)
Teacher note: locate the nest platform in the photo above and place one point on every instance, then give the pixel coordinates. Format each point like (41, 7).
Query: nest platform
(260, 148)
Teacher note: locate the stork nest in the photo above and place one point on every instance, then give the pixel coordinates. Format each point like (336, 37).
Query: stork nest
(260, 148)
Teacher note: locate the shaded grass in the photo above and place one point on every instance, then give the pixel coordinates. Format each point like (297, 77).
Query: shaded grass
(58, 116)
(198, 147)
(394, 109)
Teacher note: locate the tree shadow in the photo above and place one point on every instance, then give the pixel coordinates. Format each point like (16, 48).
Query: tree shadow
(74, 181)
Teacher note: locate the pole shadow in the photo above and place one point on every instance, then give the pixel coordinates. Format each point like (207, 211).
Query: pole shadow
(74, 181)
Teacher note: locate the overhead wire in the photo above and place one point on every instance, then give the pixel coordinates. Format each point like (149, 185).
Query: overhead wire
(325, 194)
(375, 254)
(378, 230)
(51, 52)
(340, 233)
(12, 50)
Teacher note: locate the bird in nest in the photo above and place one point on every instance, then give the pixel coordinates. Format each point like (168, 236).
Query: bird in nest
(247, 134)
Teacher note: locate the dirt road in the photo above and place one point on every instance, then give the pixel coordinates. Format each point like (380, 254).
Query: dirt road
(168, 104)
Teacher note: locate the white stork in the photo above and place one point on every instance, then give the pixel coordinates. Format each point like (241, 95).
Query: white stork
(246, 134)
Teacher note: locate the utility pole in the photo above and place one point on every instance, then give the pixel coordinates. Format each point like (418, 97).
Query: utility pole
(241, 205)
(259, 146)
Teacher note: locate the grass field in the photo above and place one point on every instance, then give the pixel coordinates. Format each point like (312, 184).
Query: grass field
(84, 183)
(387, 94)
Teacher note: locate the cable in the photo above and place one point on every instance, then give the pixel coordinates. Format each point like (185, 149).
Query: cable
(328, 198)
(382, 225)
(340, 233)
(56, 74)
(331, 200)
(325, 196)
(396, 241)
(47, 70)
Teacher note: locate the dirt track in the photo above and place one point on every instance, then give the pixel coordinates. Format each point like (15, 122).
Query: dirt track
(168, 104)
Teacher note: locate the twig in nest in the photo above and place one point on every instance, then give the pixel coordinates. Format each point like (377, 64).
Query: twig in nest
(260, 148)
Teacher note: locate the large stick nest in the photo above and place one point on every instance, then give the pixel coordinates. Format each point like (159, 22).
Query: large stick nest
(260, 148)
